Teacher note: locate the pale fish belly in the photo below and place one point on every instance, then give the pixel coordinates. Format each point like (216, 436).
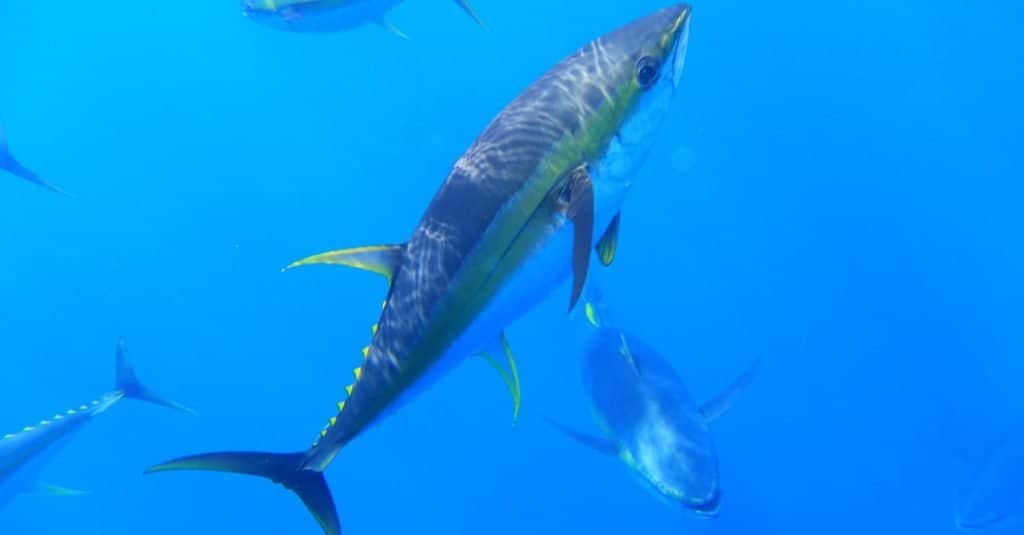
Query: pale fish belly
(316, 18)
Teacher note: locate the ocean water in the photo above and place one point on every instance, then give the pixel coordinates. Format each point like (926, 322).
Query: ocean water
(837, 189)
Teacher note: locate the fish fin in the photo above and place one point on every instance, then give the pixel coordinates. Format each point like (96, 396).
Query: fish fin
(56, 490)
(390, 26)
(609, 242)
(601, 445)
(13, 166)
(464, 4)
(628, 354)
(128, 383)
(510, 375)
(580, 211)
(381, 259)
(285, 469)
(718, 406)
(595, 309)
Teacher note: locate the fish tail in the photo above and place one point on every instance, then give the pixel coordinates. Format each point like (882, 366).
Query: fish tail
(286, 469)
(9, 164)
(13, 166)
(128, 384)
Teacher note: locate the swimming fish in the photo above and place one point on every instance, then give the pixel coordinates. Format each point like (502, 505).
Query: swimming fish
(514, 219)
(25, 453)
(992, 496)
(649, 419)
(11, 165)
(325, 16)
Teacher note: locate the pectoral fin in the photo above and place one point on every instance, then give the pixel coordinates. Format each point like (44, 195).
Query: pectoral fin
(380, 259)
(601, 445)
(55, 490)
(718, 406)
(609, 242)
(580, 211)
(510, 375)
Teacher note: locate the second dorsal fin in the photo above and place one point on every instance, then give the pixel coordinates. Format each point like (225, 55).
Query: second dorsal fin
(381, 259)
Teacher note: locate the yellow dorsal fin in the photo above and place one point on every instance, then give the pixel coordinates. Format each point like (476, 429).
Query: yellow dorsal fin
(380, 259)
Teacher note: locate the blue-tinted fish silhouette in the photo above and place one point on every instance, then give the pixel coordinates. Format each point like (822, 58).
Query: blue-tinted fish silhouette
(11, 165)
(515, 218)
(649, 420)
(991, 497)
(323, 16)
(24, 454)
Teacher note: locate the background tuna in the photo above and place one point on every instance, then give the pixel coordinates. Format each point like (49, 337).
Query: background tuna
(839, 193)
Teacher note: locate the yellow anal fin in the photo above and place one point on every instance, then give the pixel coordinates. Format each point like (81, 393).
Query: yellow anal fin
(380, 259)
(609, 242)
(510, 375)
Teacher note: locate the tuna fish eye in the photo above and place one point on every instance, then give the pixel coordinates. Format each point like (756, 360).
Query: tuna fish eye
(647, 69)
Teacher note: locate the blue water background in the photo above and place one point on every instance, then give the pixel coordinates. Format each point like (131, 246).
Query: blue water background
(837, 189)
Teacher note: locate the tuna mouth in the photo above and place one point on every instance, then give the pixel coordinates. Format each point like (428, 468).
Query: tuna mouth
(679, 49)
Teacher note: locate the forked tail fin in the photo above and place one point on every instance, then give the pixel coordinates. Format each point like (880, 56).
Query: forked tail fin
(285, 469)
(11, 165)
(129, 384)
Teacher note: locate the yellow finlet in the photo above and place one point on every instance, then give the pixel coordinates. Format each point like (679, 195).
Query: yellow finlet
(358, 372)
(373, 329)
(366, 352)
(348, 390)
(44, 422)
(341, 406)
(333, 420)
(29, 428)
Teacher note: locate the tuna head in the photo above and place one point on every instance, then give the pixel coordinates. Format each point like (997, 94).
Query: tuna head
(634, 73)
(660, 433)
(675, 454)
